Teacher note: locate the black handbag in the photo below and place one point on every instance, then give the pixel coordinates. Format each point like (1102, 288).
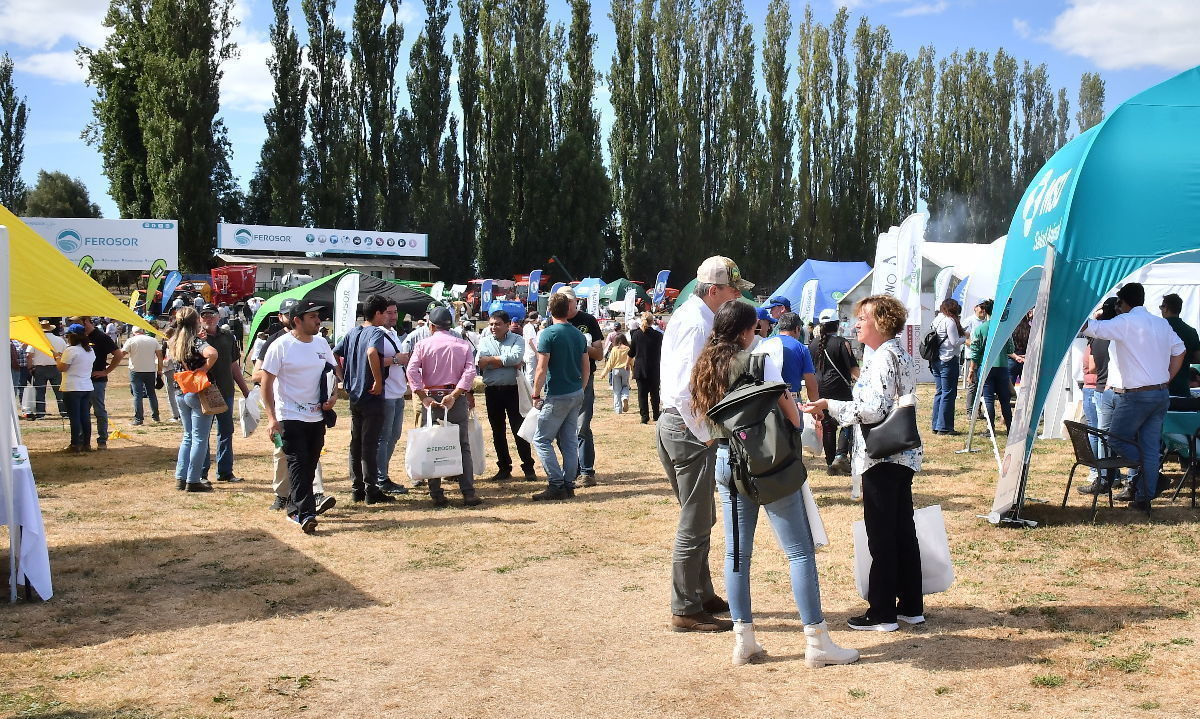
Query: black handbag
(897, 432)
(328, 415)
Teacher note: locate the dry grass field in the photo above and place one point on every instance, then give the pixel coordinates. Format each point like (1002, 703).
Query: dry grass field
(173, 605)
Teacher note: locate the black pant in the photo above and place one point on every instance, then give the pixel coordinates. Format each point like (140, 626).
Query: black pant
(892, 538)
(302, 443)
(505, 401)
(366, 426)
(834, 438)
(647, 390)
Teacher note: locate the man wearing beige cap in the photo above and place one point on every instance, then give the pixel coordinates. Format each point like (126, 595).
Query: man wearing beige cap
(687, 449)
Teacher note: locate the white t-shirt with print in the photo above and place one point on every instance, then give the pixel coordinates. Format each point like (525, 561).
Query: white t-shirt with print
(298, 368)
(78, 377)
(396, 384)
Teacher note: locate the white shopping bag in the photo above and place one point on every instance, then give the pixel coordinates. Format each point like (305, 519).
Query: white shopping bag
(529, 426)
(433, 450)
(524, 394)
(810, 439)
(815, 525)
(937, 572)
(249, 411)
(475, 434)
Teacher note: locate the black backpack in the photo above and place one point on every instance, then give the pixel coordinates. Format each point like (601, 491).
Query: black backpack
(931, 345)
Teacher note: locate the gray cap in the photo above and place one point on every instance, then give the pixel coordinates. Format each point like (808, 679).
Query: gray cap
(441, 317)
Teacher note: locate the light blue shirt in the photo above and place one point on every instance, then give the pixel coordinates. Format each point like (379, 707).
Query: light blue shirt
(511, 352)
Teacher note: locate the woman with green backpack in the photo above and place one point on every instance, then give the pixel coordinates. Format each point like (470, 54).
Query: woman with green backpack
(723, 362)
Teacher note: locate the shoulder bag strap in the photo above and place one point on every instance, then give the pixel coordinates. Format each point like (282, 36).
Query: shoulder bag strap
(834, 366)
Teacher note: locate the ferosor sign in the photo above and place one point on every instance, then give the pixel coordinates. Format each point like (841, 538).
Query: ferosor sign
(111, 244)
(320, 240)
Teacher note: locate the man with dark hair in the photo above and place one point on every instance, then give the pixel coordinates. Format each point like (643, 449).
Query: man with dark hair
(562, 373)
(1170, 309)
(103, 346)
(225, 372)
(798, 366)
(1149, 354)
(499, 357)
(590, 328)
(361, 349)
(687, 449)
(776, 307)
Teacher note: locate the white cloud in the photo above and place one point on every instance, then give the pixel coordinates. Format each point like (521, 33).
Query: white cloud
(1021, 27)
(246, 85)
(929, 8)
(1119, 34)
(42, 24)
(58, 66)
(407, 15)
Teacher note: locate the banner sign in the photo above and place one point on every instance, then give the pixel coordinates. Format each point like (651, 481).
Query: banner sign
(86, 263)
(808, 300)
(884, 278)
(111, 244)
(941, 286)
(438, 290)
(660, 287)
(319, 240)
(169, 284)
(485, 293)
(345, 304)
(535, 285)
(158, 270)
(557, 286)
(630, 302)
(593, 302)
(908, 265)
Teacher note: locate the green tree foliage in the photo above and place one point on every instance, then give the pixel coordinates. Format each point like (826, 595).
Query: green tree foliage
(1091, 101)
(375, 55)
(57, 194)
(276, 191)
(329, 193)
(13, 116)
(466, 53)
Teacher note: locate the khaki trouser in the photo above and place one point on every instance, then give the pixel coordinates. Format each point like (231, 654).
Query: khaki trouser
(281, 484)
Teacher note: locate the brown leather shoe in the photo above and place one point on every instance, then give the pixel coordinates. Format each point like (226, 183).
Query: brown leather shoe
(699, 622)
(716, 605)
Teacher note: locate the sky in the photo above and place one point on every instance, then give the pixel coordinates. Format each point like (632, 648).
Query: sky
(1134, 44)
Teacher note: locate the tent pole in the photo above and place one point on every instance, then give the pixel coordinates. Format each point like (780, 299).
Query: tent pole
(6, 436)
(974, 416)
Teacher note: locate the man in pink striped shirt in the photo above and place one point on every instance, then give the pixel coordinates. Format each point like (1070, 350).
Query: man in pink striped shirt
(441, 373)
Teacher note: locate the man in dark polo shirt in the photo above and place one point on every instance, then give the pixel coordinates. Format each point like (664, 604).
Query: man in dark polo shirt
(103, 346)
(1170, 309)
(226, 372)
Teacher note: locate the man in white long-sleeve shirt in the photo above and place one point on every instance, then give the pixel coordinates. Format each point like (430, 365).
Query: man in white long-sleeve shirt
(1149, 354)
(687, 450)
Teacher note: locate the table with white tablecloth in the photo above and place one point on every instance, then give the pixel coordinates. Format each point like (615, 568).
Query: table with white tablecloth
(33, 561)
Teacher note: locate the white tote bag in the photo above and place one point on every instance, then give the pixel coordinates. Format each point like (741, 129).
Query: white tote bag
(433, 450)
(529, 426)
(937, 572)
(249, 411)
(815, 525)
(475, 434)
(524, 395)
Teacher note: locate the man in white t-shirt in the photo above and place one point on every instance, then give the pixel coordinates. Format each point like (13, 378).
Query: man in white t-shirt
(529, 333)
(294, 371)
(44, 372)
(145, 364)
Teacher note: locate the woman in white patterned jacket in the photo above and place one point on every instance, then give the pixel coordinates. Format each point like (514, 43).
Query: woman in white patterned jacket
(894, 593)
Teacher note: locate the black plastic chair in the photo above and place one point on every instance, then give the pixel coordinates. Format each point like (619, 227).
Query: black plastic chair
(1084, 456)
(1193, 469)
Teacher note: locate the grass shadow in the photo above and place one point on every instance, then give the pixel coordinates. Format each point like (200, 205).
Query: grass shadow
(122, 588)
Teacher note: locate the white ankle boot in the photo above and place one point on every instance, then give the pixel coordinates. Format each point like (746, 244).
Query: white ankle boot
(821, 650)
(745, 647)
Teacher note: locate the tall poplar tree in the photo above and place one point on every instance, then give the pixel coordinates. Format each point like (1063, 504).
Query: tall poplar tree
(329, 193)
(374, 56)
(1091, 101)
(779, 130)
(466, 53)
(13, 116)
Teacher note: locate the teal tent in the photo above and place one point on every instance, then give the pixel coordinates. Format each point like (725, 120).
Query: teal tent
(1123, 195)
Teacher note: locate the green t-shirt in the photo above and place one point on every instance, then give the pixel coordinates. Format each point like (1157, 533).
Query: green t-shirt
(1180, 385)
(565, 344)
(979, 339)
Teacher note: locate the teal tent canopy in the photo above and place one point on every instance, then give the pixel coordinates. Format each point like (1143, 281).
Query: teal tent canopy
(1123, 195)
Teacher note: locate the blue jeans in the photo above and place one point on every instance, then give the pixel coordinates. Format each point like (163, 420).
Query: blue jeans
(1089, 417)
(193, 450)
(587, 445)
(76, 405)
(393, 427)
(996, 385)
(559, 421)
(142, 386)
(1106, 402)
(224, 422)
(789, 519)
(99, 387)
(43, 375)
(1139, 416)
(620, 388)
(945, 378)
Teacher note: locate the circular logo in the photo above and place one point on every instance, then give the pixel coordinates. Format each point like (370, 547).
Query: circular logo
(243, 236)
(366, 240)
(333, 239)
(837, 296)
(412, 243)
(379, 241)
(310, 237)
(391, 242)
(357, 240)
(68, 241)
(321, 239)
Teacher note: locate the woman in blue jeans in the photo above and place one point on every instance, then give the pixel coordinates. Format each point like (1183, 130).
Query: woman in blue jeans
(724, 359)
(945, 368)
(189, 351)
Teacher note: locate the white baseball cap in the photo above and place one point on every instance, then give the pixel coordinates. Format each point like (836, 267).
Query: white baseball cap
(829, 315)
(718, 270)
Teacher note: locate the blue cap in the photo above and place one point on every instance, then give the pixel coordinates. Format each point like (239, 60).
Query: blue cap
(765, 314)
(76, 329)
(779, 301)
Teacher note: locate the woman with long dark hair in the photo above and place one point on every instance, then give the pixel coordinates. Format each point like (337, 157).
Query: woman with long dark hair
(945, 367)
(724, 359)
(190, 351)
(75, 362)
(837, 370)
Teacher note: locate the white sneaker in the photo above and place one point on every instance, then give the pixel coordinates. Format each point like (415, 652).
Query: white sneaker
(918, 619)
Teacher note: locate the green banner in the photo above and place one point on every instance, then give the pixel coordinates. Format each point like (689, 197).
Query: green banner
(85, 263)
(158, 270)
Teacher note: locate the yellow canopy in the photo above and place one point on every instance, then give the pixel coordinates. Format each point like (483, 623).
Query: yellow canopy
(43, 282)
(27, 330)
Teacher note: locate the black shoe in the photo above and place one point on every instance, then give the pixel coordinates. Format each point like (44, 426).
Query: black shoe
(136, 423)
(324, 503)
(1142, 506)
(181, 484)
(308, 524)
(716, 605)
(589, 480)
(387, 486)
(358, 495)
(553, 493)
(864, 623)
(1099, 486)
(199, 487)
(231, 479)
(439, 499)
(472, 501)
(379, 498)
(1126, 495)
(279, 503)
(501, 476)
(645, 420)
(530, 475)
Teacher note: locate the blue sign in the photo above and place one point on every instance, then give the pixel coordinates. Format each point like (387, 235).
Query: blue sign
(485, 293)
(535, 283)
(660, 286)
